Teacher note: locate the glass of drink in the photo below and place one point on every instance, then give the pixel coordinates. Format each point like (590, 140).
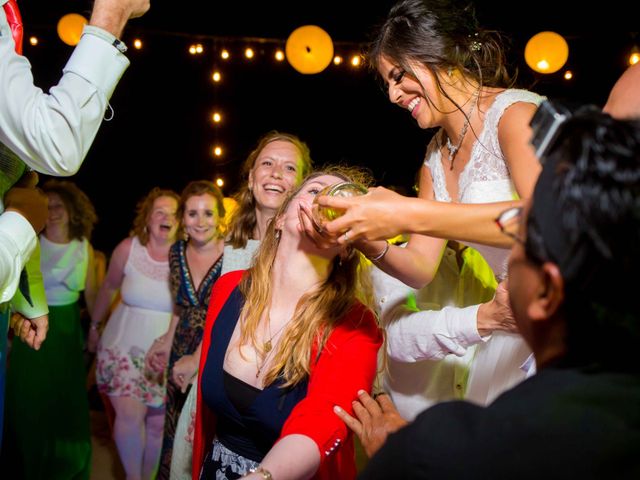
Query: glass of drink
(343, 189)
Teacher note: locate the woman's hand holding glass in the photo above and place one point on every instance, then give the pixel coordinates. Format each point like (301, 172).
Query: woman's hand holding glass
(378, 215)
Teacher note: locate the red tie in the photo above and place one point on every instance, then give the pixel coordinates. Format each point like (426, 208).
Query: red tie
(14, 18)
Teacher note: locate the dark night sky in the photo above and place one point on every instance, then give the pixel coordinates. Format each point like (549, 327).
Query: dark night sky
(162, 134)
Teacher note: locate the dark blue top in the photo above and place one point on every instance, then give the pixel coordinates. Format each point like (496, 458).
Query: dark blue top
(252, 432)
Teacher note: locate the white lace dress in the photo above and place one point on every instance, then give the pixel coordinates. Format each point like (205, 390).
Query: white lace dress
(485, 178)
(143, 314)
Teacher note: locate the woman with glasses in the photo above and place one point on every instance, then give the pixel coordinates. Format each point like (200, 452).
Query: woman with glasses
(450, 74)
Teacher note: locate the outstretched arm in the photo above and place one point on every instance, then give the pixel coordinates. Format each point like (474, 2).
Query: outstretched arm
(53, 132)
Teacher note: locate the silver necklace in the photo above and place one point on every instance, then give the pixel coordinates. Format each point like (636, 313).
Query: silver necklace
(453, 149)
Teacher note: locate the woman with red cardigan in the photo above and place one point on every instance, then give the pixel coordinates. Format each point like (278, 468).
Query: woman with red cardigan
(284, 343)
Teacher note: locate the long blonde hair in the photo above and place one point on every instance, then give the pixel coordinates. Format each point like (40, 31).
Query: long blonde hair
(244, 218)
(317, 312)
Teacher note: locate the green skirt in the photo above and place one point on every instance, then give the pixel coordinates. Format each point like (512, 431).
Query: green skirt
(47, 430)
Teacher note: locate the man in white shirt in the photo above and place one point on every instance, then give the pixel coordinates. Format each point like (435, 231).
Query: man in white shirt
(52, 132)
(432, 332)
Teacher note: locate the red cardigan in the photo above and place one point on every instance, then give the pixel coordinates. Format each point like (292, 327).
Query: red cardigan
(347, 364)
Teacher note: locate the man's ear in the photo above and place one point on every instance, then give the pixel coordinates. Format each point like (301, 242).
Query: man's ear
(550, 295)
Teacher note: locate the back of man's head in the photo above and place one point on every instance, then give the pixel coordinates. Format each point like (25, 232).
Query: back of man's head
(585, 217)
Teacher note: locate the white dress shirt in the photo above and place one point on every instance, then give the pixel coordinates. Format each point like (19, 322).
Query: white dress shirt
(50, 132)
(430, 338)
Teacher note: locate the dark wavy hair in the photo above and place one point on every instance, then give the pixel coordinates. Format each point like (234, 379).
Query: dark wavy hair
(441, 35)
(82, 214)
(585, 217)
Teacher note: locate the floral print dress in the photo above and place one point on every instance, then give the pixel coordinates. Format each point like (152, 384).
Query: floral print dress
(143, 315)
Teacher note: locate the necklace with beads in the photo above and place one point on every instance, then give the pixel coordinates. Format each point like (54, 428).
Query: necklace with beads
(453, 149)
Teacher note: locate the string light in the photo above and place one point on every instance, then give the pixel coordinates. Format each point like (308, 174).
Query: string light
(216, 117)
(137, 44)
(217, 151)
(356, 60)
(568, 75)
(220, 182)
(634, 56)
(196, 49)
(279, 55)
(224, 54)
(216, 77)
(337, 60)
(33, 41)
(249, 53)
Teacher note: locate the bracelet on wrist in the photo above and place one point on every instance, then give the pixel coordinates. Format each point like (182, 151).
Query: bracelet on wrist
(379, 256)
(266, 474)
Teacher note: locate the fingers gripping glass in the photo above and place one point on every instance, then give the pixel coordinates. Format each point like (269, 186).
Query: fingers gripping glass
(509, 223)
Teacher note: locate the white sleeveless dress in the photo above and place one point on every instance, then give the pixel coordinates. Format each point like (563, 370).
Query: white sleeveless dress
(485, 178)
(143, 314)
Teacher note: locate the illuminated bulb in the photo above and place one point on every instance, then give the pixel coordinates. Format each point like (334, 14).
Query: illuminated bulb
(634, 57)
(33, 41)
(217, 118)
(199, 48)
(137, 44)
(217, 151)
(216, 77)
(192, 49)
(355, 60)
(249, 53)
(337, 60)
(224, 54)
(568, 75)
(219, 182)
(543, 65)
(279, 55)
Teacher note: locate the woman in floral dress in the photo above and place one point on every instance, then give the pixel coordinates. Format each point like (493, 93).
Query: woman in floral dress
(139, 270)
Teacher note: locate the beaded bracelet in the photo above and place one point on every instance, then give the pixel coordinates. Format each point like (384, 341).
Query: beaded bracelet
(381, 254)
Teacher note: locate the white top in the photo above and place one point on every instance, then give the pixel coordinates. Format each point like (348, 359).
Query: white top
(50, 132)
(17, 242)
(53, 132)
(64, 268)
(146, 281)
(238, 258)
(431, 344)
(486, 178)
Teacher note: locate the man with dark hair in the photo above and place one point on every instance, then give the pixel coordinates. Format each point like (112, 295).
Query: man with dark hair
(571, 289)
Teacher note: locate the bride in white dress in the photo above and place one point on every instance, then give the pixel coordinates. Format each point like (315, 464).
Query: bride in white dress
(478, 163)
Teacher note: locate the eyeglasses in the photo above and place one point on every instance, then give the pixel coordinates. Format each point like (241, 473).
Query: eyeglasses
(509, 223)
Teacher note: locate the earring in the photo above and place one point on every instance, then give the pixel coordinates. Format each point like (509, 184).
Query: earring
(278, 234)
(450, 71)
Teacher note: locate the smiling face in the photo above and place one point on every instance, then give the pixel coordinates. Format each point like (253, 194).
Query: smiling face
(162, 223)
(58, 215)
(417, 92)
(201, 219)
(275, 172)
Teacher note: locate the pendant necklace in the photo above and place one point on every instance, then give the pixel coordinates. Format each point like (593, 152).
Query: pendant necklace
(453, 149)
(268, 346)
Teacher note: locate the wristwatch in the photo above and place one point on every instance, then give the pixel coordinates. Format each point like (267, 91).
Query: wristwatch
(106, 36)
